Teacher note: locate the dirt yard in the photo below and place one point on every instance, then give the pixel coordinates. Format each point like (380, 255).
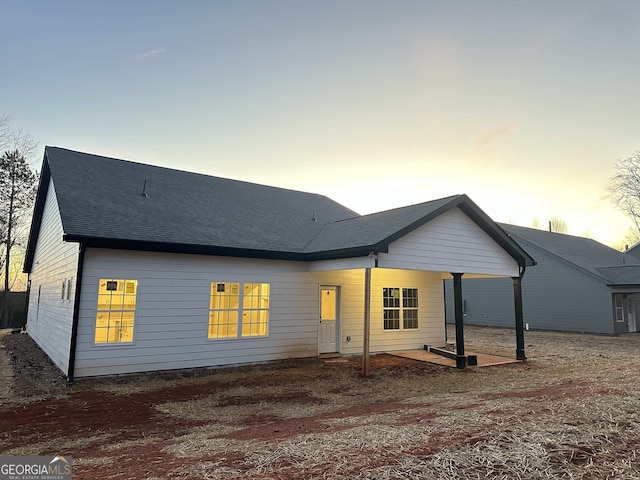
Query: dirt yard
(571, 412)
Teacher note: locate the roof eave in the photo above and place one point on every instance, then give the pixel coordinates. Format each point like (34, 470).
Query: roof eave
(598, 276)
(194, 249)
(464, 203)
(166, 247)
(496, 232)
(38, 211)
(352, 252)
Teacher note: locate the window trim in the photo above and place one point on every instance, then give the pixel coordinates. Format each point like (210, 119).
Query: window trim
(69, 284)
(134, 310)
(228, 310)
(240, 311)
(401, 309)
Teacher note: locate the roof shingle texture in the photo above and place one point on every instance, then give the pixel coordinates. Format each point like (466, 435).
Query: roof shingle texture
(613, 266)
(101, 197)
(374, 228)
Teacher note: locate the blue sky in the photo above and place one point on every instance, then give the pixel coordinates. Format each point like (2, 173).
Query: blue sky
(523, 105)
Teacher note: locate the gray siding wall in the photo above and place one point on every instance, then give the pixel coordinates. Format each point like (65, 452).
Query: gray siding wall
(555, 296)
(636, 305)
(487, 301)
(50, 317)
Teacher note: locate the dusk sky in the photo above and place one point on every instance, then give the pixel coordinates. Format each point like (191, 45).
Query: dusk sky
(522, 105)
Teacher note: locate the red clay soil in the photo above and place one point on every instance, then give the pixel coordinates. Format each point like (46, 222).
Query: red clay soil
(567, 389)
(108, 418)
(284, 428)
(100, 420)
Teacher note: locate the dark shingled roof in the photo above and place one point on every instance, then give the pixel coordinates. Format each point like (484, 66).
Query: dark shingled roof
(101, 205)
(622, 275)
(375, 228)
(102, 198)
(605, 262)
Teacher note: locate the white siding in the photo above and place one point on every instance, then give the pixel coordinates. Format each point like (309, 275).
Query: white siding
(451, 242)
(172, 312)
(430, 309)
(342, 264)
(170, 329)
(49, 320)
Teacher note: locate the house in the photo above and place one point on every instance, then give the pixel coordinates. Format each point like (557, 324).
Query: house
(578, 285)
(136, 268)
(634, 250)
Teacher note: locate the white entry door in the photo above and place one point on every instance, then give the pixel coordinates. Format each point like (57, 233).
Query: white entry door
(329, 323)
(631, 314)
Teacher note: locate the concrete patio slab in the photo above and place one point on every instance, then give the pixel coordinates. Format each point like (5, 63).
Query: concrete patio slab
(484, 360)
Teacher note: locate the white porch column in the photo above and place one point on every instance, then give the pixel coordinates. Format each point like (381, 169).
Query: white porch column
(367, 322)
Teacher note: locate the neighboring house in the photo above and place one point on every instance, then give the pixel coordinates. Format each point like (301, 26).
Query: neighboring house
(578, 285)
(633, 250)
(138, 268)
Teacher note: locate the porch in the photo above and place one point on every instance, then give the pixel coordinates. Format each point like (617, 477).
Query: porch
(484, 360)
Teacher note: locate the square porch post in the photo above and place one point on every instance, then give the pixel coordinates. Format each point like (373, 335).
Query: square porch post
(517, 297)
(461, 359)
(367, 322)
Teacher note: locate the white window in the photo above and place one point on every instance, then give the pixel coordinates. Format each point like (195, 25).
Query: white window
(116, 310)
(400, 304)
(228, 315)
(224, 305)
(619, 308)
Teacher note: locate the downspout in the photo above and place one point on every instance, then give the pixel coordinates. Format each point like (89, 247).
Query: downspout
(76, 315)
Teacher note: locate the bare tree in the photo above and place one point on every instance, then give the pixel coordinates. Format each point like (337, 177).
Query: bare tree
(624, 188)
(17, 193)
(631, 237)
(557, 225)
(11, 139)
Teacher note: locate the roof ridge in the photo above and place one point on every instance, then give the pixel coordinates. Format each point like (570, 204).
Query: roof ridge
(560, 257)
(547, 232)
(404, 207)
